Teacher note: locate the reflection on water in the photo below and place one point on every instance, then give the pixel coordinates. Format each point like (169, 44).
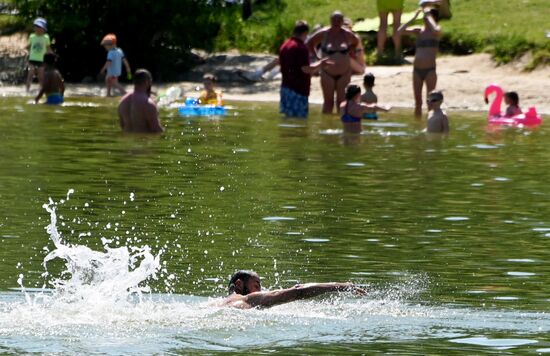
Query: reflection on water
(449, 234)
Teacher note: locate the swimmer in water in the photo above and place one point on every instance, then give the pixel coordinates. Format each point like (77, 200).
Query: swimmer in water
(210, 95)
(137, 112)
(438, 122)
(511, 98)
(245, 292)
(52, 82)
(352, 110)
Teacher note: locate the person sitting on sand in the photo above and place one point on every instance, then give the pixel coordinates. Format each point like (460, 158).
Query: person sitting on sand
(52, 82)
(437, 119)
(245, 292)
(137, 111)
(427, 45)
(336, 43)
(511, 99)
(210, 96)
(352, 110)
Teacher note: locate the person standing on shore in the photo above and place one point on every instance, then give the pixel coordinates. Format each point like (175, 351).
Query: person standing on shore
(39, 45)
(385, 7)
(427, 46)
(336, 43)
(137, 112)
(113, 64)
(296, 72)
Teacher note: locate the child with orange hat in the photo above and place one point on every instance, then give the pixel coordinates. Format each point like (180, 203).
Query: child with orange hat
(39, 45)
(113, 65)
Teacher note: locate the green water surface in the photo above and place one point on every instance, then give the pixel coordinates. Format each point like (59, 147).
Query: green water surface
(461, 220)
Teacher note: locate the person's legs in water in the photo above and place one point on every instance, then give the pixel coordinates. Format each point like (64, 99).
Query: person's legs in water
(417, 89)
(341, 84)
(32, 71)
(382, 30)
(395, 34)
(328, 84)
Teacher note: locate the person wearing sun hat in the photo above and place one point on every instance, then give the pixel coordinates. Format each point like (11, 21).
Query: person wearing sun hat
(39, 45)
(113, 65)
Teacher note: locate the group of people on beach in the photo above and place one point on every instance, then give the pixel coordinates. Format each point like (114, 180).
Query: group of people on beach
(333, 51)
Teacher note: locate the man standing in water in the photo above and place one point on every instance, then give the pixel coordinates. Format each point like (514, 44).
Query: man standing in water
(137, 111)
(246, 291)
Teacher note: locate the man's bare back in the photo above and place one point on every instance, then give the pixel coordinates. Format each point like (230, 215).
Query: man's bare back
(136, 111)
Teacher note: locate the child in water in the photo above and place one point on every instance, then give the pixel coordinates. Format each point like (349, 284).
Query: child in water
(437, 119)
(352, 110)
(113, 65)
(39, 45)
(52, 82)
(511, 99)
(210, 95)
(369, 97)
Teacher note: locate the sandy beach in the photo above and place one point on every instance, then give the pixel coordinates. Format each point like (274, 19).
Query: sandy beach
(462, 79)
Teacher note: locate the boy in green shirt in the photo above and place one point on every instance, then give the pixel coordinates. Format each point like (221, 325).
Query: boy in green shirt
(39, 45)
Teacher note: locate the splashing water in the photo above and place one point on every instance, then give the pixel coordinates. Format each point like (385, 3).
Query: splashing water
(94, 277)
(93, 309)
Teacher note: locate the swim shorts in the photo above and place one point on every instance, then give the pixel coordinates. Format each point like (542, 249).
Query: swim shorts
(36, 63)
(389, 5)
(293, 104)
(370, 116)
(54, 99)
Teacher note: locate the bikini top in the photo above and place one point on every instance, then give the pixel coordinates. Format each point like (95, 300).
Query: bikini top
(348, 117)
(329, 51)
(427, 43)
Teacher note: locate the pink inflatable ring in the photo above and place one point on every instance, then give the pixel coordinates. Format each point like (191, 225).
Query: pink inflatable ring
(530, 118)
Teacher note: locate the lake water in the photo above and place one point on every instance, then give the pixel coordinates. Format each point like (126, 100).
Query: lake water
(449, 235)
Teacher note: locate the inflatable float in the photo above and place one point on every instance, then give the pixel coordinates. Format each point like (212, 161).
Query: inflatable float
(530, 118)
(193, 108)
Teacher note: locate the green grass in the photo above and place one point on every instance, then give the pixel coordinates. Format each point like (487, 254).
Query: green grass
(506, 29)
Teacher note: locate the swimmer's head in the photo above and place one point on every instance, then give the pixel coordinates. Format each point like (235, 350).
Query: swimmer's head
(368, 80)
(143, 79)
(352, 91)
(435, 98)
(337, 19)
(209, 80)
(301, 28)
(511, 98)
(49, 60)
(244, 282)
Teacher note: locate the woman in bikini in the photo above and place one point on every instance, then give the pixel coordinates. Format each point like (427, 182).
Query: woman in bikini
(427, 45)
(336, 43)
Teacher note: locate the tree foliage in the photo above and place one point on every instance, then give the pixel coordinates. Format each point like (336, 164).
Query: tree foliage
(154, 34)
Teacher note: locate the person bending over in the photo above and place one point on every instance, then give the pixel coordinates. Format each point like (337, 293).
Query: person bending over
(137, 111)
(245, 291)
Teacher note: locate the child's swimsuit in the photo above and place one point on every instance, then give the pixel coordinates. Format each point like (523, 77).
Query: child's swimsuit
(54, 99)
(349, 118)
(370, 116)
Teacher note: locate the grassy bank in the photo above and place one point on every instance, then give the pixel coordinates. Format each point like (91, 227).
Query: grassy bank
(506, 29)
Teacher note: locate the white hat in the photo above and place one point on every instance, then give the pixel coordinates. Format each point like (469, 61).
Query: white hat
(42, 23)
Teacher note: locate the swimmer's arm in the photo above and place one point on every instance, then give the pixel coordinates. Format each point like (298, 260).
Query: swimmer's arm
(313, 41)
(374, 107)
(314, 67)
(404, 27)
(105, 66)
(61, 82)
(445, 124)
(153, 121)
(40, 93)
(300, 291)
(433, 26)
(127, 65)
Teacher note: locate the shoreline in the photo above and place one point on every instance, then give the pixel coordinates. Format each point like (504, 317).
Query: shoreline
(462, 79)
